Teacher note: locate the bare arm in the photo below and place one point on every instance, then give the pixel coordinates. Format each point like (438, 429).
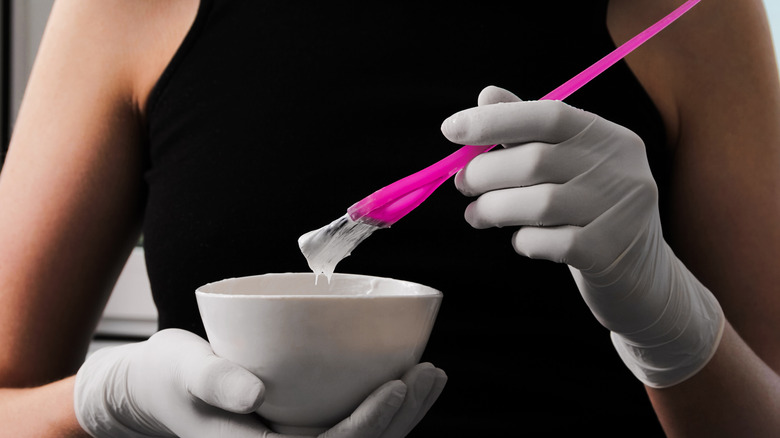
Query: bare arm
(714, 78)
(71, 196)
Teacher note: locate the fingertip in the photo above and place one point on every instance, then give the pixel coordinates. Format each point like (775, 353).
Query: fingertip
(425, 379)
(427, 383)
(475, 217)
(468, 179)
(556, 244)
(437, 375)
(441, 376)
(453, 128)
(242, 392)
(460, 183)
(250, 394)
(493, 94)
(518, 242)
(441, 381)
(397, 390)
(437, 387)
(424, 365)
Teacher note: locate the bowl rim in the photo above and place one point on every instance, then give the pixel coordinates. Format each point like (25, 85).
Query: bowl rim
(425, 292)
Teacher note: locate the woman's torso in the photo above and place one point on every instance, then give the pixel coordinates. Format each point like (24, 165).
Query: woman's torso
(273, 118)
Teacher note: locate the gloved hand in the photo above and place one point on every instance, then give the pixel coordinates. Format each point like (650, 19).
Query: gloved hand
(173, 385)
(580, 189)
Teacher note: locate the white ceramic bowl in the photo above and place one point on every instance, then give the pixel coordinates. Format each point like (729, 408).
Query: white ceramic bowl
(319, 349)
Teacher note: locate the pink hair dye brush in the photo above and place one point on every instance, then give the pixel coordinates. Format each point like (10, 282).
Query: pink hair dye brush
(325, 247)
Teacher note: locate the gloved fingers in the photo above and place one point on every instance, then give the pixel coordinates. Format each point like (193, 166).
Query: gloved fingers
(557, 244)
(518, 166)
(374, 415)
(492, 94)
(516, 122)
(533, 163)
(592, 247)
(216, 381)
(425, 383)
(209, 421)
(542, 205)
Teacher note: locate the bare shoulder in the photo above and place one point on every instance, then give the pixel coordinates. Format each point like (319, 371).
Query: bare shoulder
(720, 53)
(71, 187)
(126, 42)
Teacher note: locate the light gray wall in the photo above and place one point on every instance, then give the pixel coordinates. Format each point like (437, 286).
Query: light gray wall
(28, 19)
(773, 10)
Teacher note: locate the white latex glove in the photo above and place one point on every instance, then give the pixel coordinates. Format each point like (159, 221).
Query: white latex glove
(173, 385)
(580, 189)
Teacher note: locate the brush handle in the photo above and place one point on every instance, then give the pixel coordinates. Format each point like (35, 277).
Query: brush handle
(413, 186)
(575, 83)
(389, 204)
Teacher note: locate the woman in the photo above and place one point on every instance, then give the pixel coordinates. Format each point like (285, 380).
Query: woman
(185, 118)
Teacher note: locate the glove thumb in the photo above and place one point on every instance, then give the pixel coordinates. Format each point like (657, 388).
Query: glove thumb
(225, 385)
(214, 380)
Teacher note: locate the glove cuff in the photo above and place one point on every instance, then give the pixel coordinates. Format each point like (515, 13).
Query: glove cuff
(691, 341)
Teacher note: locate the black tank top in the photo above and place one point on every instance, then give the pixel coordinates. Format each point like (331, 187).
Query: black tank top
(274, 117)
